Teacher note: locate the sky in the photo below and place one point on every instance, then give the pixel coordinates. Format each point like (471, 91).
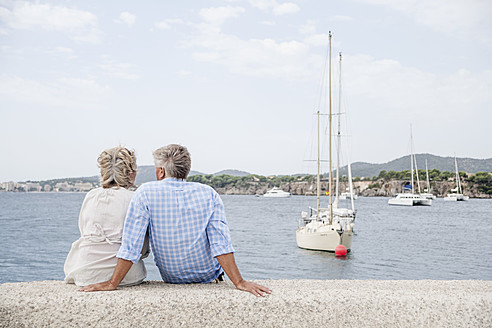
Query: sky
(238, 82)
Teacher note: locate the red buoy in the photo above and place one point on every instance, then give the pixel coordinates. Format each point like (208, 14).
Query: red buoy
(340, 250)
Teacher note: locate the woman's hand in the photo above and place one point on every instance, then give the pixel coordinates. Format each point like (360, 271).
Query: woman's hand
(102, 286)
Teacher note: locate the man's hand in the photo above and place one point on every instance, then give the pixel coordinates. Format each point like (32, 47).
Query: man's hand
(253, 288)
(228, 264)
(102, 286)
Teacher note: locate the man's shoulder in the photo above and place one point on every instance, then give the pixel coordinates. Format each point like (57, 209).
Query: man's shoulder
(200, 186)
(153, 185)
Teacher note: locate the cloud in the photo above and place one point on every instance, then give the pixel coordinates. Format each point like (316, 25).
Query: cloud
(124, 71)
(285, 9)
(254, 57)
(63, 92)
(218, 15)
(79, 25)
(453, 17)
(126, 18)
(317, 40)
(167, 23)
(411, 93)
(278, 9)
(63, 51)
(183, 74)
(268, 58)
(341, 18)
(308, 28)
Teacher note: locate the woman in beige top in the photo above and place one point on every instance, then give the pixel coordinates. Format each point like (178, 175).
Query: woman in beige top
(92, 258)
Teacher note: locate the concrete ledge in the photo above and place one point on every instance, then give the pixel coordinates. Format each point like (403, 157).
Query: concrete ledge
(293, 303)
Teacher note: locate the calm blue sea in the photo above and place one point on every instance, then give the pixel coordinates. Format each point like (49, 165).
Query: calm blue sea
(444, 241)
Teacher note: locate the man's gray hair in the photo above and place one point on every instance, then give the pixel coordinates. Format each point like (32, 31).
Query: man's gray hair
(175, 159)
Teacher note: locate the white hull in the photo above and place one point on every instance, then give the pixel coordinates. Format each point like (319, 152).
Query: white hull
(410, 200)
(456, 198)
(346, 195)
(276, 193)
(428, 196)
(323, 238)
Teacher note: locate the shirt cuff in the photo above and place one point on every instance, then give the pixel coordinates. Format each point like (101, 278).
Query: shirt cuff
(218, 249)
(129, 255)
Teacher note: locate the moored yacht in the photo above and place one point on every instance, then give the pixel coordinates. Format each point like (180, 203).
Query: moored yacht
(456, 194)
(276, 193)
(410, 199)
(326, 228)
(427, 191)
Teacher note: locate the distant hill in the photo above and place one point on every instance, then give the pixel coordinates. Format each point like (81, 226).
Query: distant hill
(146, 173)
(235, 173)
(468, 165)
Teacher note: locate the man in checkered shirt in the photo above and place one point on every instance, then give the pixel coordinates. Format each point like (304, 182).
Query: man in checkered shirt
(187, 228)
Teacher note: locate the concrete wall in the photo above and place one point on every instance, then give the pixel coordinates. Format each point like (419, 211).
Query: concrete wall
(293, 303)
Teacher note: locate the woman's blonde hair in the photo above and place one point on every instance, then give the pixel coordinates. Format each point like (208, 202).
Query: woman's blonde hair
(117, 165)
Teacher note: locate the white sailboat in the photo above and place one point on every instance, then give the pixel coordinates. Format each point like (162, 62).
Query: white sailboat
(326, 228)
(456, 193)
(276, 192)
(427, 191)
(411, 198)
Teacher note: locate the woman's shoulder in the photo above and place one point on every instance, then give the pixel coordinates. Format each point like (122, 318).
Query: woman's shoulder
(114, 191)
(94, 191)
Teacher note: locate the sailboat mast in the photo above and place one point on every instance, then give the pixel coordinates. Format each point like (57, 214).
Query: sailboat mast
(411, 155)
(318, 181)
(458, 184)
(427, 176)
(417, 173)
(329, 130)
(337, 187)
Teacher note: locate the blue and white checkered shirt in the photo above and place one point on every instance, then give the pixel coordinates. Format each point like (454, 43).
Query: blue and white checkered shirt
(187, 229)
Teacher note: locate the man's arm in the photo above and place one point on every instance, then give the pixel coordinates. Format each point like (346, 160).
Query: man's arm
(122, 268)
(228, 263)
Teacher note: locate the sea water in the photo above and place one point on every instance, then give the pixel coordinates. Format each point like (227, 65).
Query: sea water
(448, 240)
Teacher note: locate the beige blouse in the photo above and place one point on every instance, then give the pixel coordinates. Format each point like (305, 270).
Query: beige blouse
(92, 257)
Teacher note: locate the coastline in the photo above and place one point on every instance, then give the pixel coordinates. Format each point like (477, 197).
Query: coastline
(293, 303)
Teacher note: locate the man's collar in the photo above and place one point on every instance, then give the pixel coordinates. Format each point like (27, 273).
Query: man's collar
(173, 179)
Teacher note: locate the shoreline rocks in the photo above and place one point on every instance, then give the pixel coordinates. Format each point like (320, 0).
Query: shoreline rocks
(367, 188)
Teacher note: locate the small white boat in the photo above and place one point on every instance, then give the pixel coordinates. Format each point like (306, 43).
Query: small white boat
(455, 197)
(276, 193)
(427, 193)
(456, 194)
(346, 195)
(409, 199)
